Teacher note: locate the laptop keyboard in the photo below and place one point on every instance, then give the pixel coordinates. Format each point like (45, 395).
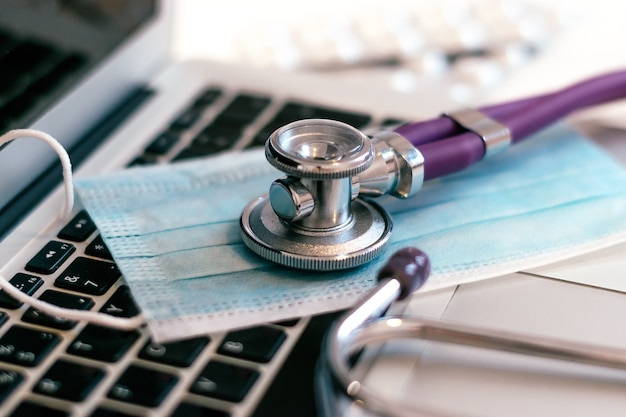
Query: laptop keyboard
(50, 366)
(227, 129)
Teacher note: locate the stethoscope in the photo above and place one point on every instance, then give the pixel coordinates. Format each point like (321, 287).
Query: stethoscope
(339, 390)
(314, 218)
(320, 217)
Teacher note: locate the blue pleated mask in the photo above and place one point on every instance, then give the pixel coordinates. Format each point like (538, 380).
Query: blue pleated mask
(174, 230)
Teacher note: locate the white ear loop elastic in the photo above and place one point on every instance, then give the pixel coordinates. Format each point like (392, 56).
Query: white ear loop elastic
(61, 152)
(51, 309)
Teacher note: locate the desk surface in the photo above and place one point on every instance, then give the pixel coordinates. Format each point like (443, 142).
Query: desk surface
(497, 384)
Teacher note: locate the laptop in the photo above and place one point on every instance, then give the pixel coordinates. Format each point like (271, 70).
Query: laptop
(107, 87)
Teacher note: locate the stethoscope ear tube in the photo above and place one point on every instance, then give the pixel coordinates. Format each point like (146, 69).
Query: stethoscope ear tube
(449, 145)
(405, 272)
(365, 324)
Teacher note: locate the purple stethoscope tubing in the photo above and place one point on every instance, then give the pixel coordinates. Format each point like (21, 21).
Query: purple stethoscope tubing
(448, 148)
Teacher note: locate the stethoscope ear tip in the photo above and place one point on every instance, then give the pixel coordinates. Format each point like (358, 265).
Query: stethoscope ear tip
(410, 267)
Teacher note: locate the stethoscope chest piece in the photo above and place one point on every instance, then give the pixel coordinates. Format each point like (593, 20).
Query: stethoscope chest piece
(312, 218)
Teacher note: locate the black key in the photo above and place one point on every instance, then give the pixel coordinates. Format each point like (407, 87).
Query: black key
(192, 410)
(293, 111)
(298, 370)
(98, 249)
(163, 143)
(69, 381)
(297, 111)
(28, 284)
(26, 347)
(241, 111)
(142, 386)
(9, 380)
(181, 353)
(211, 140)
(189, 153)
(50, 258)
(353, 119)
(102, 343)
(143, 160)
(103, 412)
(388, 122)
(257, 344)
(79, 229)
(60, 299)
(224, 381)
(28, 409)
(187, 118)
(88, 276)
(207, 97)
(215, 139)
(205, 145)
(287, 323)
(121, 304)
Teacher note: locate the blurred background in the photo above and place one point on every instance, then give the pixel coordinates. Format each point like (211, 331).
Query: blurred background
(473, 51)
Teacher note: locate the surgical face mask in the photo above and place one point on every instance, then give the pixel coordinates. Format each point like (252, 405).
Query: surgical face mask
(174, 231)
